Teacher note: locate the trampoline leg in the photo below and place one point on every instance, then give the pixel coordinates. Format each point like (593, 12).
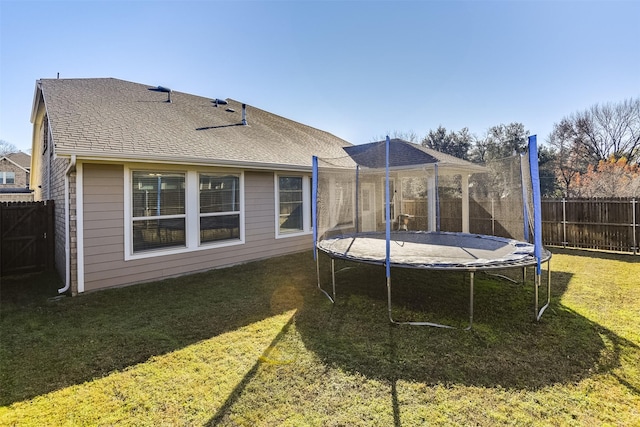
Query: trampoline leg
(333, 300)
(333, 278)
(471, 277)
(389, 300)
(538, 313)
(437, 325)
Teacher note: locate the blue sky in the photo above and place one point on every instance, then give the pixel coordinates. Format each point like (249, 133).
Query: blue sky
(357, 69)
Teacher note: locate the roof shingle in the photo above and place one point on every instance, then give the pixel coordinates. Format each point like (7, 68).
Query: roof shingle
(108, 117)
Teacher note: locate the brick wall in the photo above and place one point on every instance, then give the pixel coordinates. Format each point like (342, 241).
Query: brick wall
(16, 197)
(22, 176)
(55, 189)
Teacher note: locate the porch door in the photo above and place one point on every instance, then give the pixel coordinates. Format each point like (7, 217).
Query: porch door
(368, 203)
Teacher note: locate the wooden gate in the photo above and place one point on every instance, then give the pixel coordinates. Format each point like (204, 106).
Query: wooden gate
(26, 237)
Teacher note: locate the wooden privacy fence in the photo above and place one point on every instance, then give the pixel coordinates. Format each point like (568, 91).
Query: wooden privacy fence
(26, 237)
(498, 217)
(606, 224)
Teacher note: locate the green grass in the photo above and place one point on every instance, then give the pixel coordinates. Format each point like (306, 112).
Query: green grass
(259, 345)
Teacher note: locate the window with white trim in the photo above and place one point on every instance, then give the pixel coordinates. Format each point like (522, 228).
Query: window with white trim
(7, 177)
(219, 207)
(174, 211)
(293, 205)
(158, 210)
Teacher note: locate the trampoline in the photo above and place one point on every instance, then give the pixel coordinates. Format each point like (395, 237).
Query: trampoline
(435, 251)
(397, 204)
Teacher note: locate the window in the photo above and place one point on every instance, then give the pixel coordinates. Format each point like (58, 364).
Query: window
(7, 177)
(158, 210)
(177, 211)
(45, 134)
(219, 207)
(293, 205)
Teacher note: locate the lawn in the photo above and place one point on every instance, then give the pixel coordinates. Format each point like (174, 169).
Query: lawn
(259, 345)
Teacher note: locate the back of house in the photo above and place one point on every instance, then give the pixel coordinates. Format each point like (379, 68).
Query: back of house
(151, 183)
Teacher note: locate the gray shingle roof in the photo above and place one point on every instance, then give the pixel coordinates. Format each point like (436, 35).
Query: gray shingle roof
(21, 159)
(106, 117)
(403, 153)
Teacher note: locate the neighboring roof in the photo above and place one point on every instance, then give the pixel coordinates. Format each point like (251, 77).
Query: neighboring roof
(21, 159)
(403, 153)
(16, 161)
(111, 118)
(15, 190)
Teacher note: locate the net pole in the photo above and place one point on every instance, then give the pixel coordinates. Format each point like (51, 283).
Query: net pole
(437, 199)
(314, 205)
(525, 199)
(537, 204)
(357, 198)
(387, 211)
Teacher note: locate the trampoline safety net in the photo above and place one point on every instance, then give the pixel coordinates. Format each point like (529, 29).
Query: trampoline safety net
(427, 191)
(395, 203)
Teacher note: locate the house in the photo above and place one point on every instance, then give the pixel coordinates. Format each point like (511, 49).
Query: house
(15, 169)
(151, 183)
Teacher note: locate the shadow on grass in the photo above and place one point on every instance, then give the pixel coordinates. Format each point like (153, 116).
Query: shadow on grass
(505, 348)
(49, 345)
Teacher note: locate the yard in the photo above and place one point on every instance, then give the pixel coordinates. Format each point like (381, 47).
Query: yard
(259, 345)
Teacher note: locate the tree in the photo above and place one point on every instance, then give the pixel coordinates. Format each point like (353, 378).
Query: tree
(570, 159)
(454, 143)
(7, 148)
(610, 178)
(499, 142)
(547, 160)
(605, 130)
(409, 136)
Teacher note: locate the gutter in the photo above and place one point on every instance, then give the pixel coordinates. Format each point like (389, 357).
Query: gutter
(67, 229)
(189, 162)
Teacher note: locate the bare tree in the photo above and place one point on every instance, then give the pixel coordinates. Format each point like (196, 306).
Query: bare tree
(409, 136)
(7, 148)
(606, 130)
(570, 157)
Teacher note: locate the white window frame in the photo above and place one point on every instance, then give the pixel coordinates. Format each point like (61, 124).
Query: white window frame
(225, 213)
(306, 205)
(4, 177)
(192, 213)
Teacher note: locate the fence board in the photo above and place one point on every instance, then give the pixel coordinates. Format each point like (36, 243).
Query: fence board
(26, 237)
(605, 224)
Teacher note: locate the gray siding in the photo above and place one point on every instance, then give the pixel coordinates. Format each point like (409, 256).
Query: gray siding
(104, 264)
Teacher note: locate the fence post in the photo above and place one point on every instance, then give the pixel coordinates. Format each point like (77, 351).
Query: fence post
(633, 225)
(493, 219)
(564, 222)
(1, 238)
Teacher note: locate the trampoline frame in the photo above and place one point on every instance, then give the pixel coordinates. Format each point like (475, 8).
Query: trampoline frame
(529, 262)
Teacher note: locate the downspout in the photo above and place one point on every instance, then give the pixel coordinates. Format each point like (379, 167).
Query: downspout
(67, 229)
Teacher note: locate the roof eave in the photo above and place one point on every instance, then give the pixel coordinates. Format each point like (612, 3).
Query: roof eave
(9, 160)
(186, 161)
(36, 100)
